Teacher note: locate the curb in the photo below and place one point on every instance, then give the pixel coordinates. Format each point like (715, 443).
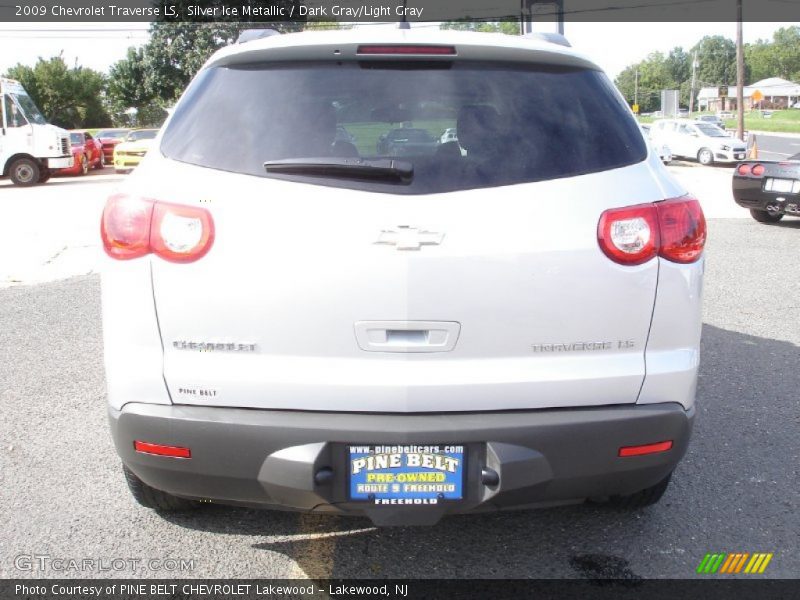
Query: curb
(774, 133)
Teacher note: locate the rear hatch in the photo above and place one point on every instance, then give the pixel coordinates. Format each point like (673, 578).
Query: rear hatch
(474, 284)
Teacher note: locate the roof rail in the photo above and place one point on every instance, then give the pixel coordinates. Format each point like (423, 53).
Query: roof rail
(552, 38)
(248, 35)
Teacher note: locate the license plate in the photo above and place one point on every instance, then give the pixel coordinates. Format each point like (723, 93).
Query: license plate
(740, 155)
(406, 475)
(778, 185)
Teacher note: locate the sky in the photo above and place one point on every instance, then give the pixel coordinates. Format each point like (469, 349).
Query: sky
(612, 45)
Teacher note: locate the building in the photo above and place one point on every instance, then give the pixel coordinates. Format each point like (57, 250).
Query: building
(778, 93)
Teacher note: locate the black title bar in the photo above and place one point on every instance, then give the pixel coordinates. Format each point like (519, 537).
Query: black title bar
(265, 11)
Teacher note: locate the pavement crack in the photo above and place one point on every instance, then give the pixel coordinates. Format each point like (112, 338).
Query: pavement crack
(55, 256)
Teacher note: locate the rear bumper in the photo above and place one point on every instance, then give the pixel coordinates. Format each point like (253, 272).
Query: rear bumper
(729, 156)
(60, 162)
(126, 161)
(748, 192)
(270, 458)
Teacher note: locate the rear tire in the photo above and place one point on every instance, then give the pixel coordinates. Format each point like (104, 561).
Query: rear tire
(762, 216)
(640, 499)
(101, 163)
(156, 499)
(24, 172)
(705, 157)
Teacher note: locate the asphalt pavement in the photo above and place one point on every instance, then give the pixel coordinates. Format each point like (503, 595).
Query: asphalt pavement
(777, 146)
(62, 493)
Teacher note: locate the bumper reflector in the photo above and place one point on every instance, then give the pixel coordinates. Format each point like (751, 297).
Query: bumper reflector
(645, 449)
(159, 450)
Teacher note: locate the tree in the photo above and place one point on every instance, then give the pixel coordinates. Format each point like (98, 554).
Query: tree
(786, 53)
(507, 27)
(127, 89)
(71, 98)
(654, 74)
(679, 65)
(717, 57)
(759, 60)
(176, 51)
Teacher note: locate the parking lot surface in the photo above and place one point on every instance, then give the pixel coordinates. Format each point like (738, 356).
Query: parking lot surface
(62, 493)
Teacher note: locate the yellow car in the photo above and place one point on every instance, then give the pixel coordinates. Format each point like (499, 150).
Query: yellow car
(132, 149)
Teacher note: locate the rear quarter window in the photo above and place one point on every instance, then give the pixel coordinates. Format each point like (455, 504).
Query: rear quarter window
(505, 124)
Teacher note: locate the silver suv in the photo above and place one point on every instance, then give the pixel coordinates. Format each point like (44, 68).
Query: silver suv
(301, 320)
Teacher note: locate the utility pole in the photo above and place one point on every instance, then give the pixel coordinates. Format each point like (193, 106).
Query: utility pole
(636, 88)
(694, 79)
(739, 73)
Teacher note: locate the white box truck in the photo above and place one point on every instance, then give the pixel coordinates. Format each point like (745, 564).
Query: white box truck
(30, 148)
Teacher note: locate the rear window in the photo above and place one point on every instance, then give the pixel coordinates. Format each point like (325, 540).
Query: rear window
(505, 124)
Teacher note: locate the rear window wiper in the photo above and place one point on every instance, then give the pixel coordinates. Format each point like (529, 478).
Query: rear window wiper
(384, 169)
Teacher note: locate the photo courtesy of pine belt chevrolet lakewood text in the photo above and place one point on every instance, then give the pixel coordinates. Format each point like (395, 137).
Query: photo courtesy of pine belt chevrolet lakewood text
(416, 283)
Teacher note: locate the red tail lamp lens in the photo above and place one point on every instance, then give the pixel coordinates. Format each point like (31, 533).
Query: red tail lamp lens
(125, 226)
(683, 230)
(757, 170)
(743, 169)
(407, 49)
(160, 450)
(645, 449)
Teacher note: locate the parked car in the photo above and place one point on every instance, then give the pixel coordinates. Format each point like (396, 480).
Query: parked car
(661, 149)
(401, 337)
(109, 138)
(449, 135)
(129, 153)
(87, 153)
(406, 141)
(712, 119)
(770, 189)
(704, 142)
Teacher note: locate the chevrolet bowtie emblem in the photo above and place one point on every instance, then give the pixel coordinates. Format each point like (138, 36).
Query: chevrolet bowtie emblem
(409, 238)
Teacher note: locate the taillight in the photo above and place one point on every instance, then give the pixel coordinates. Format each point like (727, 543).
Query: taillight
(629, 235)
(743, 169)
(407, 49)
(757, 170)
(674, 229)
(132, 227)
(682, 228)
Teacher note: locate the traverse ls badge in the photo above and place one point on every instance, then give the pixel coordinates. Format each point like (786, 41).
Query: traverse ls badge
(405, 237)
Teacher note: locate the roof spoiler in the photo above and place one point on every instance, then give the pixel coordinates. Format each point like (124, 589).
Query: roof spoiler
(552, 38)
(248, 35)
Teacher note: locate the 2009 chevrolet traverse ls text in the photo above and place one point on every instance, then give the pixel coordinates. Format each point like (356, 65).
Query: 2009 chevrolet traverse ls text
(297, 315)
